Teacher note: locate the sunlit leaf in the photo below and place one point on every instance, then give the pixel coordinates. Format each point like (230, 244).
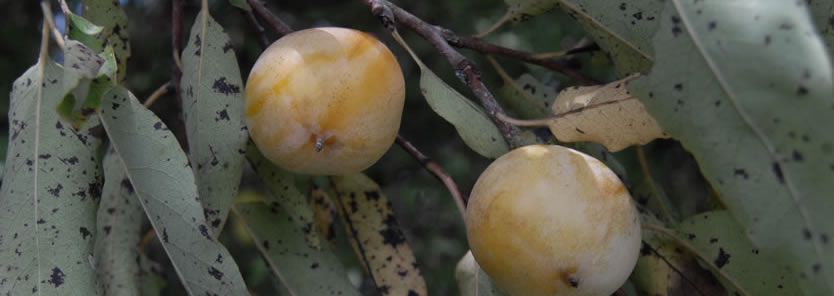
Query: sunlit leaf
(376, 237)
(605, 114)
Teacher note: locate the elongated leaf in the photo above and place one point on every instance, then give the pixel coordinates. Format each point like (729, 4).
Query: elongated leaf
(376, 236)
(826, 27)
(112, 19)
(472, 280)
(283, 193)
(718, 237)
(242, 4)
(212, 104)
(301, 268)
(50, 189)
(118, 231)
(81, 67)
(623, 29)
(761, 137)
(605, 114)
(665, 269)
(472, 124)
(164, 184)
(528, 97)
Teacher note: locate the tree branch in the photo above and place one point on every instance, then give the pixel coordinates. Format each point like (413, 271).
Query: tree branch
(277, 24)
(482, 46)
(436, 170)
(256, 24)
(465, 70)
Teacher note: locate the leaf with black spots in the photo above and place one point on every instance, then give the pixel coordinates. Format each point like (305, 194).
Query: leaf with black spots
(43, 246)
(702, 93)
(283, 193)
(469, 119)
(164, 184)
(721, 239)
(376, 238)
(213, 112)
(301, 269)
(623, 29)
(605, 114)
(114, 31)
(119, 225)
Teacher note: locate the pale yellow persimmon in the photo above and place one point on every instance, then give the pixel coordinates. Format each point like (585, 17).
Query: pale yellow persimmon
(549, 220)
(325, 101)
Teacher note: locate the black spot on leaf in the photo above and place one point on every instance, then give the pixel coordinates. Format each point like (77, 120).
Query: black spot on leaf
(57, 277)
(215, 273)
(204, 230)
(722, 259)
(222, 115)
(221, 86)
(777, 170)
(85, 233)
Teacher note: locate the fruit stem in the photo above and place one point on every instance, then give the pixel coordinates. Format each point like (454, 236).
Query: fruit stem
(319, 144)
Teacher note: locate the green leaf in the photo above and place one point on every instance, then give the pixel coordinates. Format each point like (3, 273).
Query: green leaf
(622, 29)
(49, 195)
(824, 24)
(376, 237)
(283, 192)
(718, 237)
(471, 122)
(242, 4)
(212, 103)
(164, 183)
(80, 25)
(521, 10)
(760, 136)
(528, 97)
(118, 231)
(472, 280)
(113, 20)
(110, 66)
(81, 66)
(301, 268)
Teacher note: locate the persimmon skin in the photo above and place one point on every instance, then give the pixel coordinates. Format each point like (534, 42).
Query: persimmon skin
(325, 101)
(549, 220)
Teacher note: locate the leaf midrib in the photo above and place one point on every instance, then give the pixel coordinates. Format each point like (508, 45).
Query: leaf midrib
(731, 96)
(598, 24)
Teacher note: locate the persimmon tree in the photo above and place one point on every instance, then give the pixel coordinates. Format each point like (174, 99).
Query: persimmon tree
(713, 115)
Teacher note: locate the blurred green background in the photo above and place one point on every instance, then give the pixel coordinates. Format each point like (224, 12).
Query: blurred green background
(425, 209)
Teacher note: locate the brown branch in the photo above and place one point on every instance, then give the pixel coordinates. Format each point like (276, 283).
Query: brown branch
(436, 170)
(256, 24)
(277, 24)
(158, 93)
(465, 70)
(488, 48)
(176, 41)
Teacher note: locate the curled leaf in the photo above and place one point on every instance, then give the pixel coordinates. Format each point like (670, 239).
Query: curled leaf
(605, 114)
(376, 236)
